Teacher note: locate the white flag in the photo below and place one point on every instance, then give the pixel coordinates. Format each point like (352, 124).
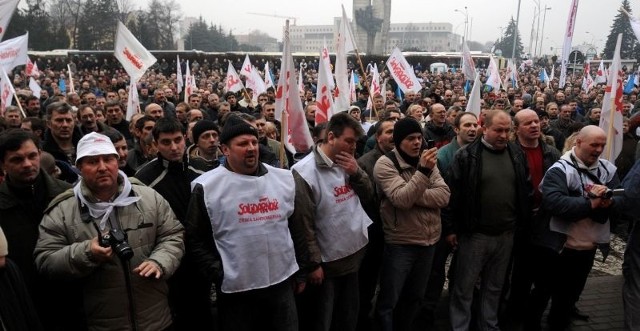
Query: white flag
(344, 45)
(468, 66)
(246, 67)
(258, 84)
(13, 52)
(233, 82)
(375, 87)
(402, 73)
(72, 88)
(34, 87)
(601, 75)
(297, 138)
(7, 7)
(188, 83)
(6, 91)
(635, 24)
(324, 98)
(587, 80)
(568, 37)
(611, 116)
(268, 80)
(384, 90)
(253, 79)
(494, 75)
(325, 60)
(553, 73)
(135, 59)
(474, 104)
(133, 102)
(179, 79)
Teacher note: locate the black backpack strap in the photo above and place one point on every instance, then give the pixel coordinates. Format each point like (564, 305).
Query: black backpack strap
(392, 156)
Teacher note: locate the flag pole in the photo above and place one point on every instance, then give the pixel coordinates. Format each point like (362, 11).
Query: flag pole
(283, 116)
(610, 132)
(15, 96)
(366, 81)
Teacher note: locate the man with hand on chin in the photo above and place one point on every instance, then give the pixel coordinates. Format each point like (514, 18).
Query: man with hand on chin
(120, 286)
(338, 188)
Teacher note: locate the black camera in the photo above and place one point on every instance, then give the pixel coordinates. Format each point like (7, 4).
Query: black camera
(117, 240)
(608, 194)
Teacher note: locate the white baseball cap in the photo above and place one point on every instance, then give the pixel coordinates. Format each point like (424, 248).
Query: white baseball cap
(94, 144)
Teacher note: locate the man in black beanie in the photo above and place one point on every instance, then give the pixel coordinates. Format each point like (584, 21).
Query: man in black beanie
(205, 154)
(413, 192)
(247, 225)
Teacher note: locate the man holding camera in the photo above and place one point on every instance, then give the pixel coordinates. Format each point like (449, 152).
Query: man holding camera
(119, 238)
(577, 198)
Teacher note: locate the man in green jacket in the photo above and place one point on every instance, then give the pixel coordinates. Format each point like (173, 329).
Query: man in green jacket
(120, 240)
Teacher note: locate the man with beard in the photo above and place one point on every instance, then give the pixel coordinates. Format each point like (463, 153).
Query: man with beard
(88, 123)
(33, 106)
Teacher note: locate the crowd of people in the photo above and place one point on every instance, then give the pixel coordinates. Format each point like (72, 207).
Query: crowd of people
(193, 216)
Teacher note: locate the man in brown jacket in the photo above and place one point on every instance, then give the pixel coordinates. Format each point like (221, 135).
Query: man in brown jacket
(413, 193)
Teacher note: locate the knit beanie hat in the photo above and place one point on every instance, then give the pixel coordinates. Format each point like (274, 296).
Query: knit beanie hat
(4, 250)
(201, 127)
(403, 128)
(235, 126)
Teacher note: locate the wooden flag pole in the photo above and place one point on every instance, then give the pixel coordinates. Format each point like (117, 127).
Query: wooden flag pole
(283, 117)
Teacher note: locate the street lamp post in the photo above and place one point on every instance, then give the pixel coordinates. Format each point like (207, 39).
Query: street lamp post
(544, 18)
(466, 21)
(515, 34)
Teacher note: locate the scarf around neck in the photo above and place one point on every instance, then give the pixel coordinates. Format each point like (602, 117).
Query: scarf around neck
(103, 210)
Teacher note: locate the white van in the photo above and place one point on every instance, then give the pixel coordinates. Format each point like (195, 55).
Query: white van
(438, 68)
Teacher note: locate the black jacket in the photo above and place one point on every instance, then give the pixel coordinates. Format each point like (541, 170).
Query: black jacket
(464, 181)
(172, 180)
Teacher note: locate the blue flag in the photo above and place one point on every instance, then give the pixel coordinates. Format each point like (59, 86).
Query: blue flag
(467, 87)
(399, 93)
(630, 84)
(63, 86)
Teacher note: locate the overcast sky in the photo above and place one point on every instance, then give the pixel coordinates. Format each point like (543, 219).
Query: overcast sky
(593, 22)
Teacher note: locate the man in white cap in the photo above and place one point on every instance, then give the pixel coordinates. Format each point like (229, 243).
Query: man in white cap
(119, 238)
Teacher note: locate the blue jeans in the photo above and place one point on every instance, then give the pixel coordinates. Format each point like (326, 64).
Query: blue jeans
(403, 281)
(485, 258)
